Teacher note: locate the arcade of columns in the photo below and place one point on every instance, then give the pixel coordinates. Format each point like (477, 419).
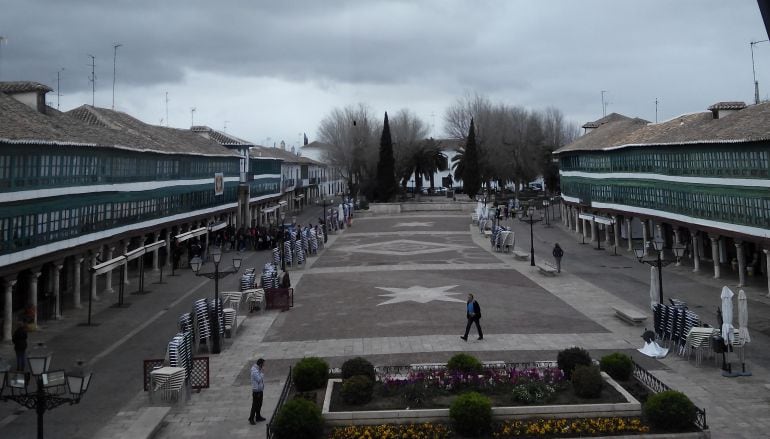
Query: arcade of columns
(588, 228)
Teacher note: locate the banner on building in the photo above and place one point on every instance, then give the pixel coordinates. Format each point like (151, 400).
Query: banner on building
(219, 183)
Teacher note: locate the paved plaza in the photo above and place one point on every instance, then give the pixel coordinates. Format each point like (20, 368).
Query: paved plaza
(392, 289)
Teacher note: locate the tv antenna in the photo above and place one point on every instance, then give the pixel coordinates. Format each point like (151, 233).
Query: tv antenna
(92, 78)
(192, 116)
(754, 71)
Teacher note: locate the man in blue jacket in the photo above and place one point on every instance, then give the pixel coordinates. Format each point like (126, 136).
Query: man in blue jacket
(257, 389)
(473, 313)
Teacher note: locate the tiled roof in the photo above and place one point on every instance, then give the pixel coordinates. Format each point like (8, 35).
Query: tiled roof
(747, 125)
(23, 87)
(733, 105)
(220, 137)
(95, 127)
(286, 156)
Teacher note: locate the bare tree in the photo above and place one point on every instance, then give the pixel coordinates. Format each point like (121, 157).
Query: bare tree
(352, 132)
(409, 133)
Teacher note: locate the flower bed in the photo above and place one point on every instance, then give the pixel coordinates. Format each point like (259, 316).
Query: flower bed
(511, 391)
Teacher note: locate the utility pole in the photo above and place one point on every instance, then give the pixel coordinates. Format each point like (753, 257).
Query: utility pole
(114, 70)
(167, 109)
(656, 110)
(93, 80)
(604, 104)
(754, 71)
(3, 41)
(192, 116)
(58, 88)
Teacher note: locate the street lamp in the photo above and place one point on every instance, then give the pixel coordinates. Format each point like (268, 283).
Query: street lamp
(324, 216)
(528, 216)
(195, 264)
(283, 241)
(52, 388)
(659, 262)
(546, 203)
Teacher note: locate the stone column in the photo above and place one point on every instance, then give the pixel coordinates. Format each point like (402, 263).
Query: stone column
(629, 233)
(594, 231)
(107, 276)
(76, 283)
(767, 269)
(155, 265)
(32, 297)
(676, 243)
(8, 310)
(741, 263)
(56, 290)
(607, 242)
(645, 238)
(168, 249)
(695, 252)
(715, 255)
(578, 222)
(616, 231)
(125, 266)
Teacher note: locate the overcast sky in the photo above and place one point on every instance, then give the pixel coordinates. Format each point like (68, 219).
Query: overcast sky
(270, 71)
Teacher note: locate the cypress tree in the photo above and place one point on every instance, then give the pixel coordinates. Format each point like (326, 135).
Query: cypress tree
(470, 175)
(386, 167)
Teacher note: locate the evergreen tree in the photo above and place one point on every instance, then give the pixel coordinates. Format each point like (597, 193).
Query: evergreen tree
(386, 167)
(470, 169)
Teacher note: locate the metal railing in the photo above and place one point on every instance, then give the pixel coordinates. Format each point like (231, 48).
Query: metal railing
(656, 386)
(281, 401)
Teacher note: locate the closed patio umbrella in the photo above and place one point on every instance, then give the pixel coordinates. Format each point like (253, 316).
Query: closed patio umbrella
(727, 324)
(654, 287)
(743, 330)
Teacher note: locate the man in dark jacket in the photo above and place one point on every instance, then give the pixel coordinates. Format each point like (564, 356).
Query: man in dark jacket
(20, 345)
(473, 313)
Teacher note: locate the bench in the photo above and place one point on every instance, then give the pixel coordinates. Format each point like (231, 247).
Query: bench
(629, 315)
(522, 256)
(147, 423)
(547, 269)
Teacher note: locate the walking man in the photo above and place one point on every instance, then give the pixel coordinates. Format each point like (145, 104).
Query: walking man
(257, 389)
(557, 254)
(473, 313)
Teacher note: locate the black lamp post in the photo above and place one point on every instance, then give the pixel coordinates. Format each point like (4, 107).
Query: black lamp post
(283, 240)
(195, 264)
(528, 216)
(324, 215)
(659, 262)
(52, 388)
(546, 203)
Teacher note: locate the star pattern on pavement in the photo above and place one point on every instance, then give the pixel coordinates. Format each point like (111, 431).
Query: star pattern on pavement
(415, 224)
(419, 294)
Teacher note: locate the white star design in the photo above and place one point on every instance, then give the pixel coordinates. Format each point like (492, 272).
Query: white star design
(415, 224)
(419, 294)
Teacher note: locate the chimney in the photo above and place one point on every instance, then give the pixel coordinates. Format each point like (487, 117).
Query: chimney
(31, 94)
(589, 126)
(722, 109)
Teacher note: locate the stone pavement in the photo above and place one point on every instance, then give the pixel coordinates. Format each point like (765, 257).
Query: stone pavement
(392, 288)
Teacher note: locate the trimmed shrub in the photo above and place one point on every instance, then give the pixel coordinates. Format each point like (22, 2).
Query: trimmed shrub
(357, 390)
(587, 381)
(298, 419)
(617, 365)
(414, 394)
(569, 358)
(310, 373)
(533, 392)
(357, 366)
(670, 410)
(464, 363)
(472, 414)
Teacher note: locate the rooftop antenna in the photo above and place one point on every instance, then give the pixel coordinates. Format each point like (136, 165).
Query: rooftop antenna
(114, 71)
(753, 70)
(92, 78)
(58, 88)
(166, 109)
(192, 116)
(656, 110)
(226, 125)
(604, 104)
(3, 41)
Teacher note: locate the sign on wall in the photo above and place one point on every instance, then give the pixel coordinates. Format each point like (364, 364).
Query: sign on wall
(219, 183)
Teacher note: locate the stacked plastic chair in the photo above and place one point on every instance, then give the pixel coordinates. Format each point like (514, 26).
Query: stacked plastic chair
(201, 315)
(219, 315)
(313, 242)
(276, 256)
(287, 253)
(299, 253)
(248, 279)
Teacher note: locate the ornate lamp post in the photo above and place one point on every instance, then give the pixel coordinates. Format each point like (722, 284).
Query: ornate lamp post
(195, 264)
(51, 389)
(528, 216)
(325, 217)
(546, 203)
(659, 262)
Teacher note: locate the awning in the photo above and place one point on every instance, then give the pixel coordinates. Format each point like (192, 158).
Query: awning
(191, 234)
(596, 218)
(270, 209)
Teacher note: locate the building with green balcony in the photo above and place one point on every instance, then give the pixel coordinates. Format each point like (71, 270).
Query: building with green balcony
(699, 181)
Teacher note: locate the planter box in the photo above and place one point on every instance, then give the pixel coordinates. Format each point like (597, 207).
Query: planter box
(625, 409)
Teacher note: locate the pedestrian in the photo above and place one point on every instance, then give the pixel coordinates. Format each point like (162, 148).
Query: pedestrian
(257, 391)
(557, 254)
(20, 345)
(473, 313)
(285, 280)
